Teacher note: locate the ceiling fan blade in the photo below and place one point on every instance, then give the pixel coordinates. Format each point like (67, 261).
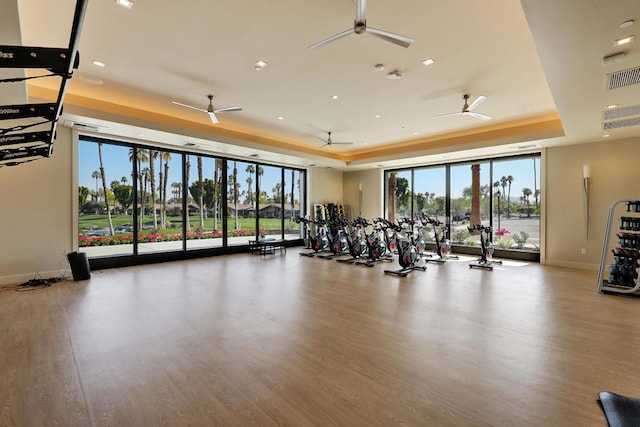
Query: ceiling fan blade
(446, 115)
(188, 106)
(391, 37)
(213, 117)
(361, 10)
(340, 143)
(478, 115)
(477, 102)
(227, 110)
(332, 39)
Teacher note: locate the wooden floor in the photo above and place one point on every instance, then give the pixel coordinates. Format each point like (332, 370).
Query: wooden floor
(285, 340)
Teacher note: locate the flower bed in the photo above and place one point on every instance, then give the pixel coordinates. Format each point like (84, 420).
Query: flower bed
(123, 239)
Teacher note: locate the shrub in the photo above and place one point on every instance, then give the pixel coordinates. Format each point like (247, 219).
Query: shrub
(504, 242)
(470, 241)
(460, 235)
(521, 239)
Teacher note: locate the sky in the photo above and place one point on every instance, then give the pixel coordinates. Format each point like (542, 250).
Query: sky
(432, 179)
(116, 165)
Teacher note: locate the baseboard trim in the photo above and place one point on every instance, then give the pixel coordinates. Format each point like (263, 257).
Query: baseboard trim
(21, 278)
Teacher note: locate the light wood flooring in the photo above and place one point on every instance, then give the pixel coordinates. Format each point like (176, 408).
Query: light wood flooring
(284, 340)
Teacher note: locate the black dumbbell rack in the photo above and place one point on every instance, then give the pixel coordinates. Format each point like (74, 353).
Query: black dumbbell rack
(621, 250)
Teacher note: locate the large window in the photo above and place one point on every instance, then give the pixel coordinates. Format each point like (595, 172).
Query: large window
(204, 228)
(502, 193)
(136, 200)
(105, 199)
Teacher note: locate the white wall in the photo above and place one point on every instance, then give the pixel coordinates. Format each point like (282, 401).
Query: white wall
(615, 175)
(368, 202)
(36, 215)
(325, 186)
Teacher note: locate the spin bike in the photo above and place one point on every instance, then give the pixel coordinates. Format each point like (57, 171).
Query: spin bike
(443, 245)
(486, 261)
(377, 250)
(357, 245)
(338, 244)
(318, 242)
(408, 256)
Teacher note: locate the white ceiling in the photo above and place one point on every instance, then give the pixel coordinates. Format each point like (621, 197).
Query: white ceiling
(531, 58)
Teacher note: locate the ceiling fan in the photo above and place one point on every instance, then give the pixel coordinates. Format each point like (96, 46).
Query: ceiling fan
(360, 27)
(328, 141)
(212, 113)
(468, 109)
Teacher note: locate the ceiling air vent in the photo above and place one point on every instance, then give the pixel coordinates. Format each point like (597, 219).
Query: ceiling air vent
(621, 123)
(622, 78)
(81, 126)
(618, 113)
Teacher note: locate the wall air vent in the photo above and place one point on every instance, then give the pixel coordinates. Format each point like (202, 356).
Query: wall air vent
(622, 78)
(621, 123)
(81, 126)
(618, 113)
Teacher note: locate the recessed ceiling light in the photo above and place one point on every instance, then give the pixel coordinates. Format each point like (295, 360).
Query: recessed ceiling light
(141, 135)
(612, 106)
(98, 63)
(280, 118)
(624, 40)
(626, 24)
(259, 65)
(378, 116)
(606, 135)
(91, 79)
(334, 96)
(428, 61)
(125, 3)
(378, 67)
(394, 75)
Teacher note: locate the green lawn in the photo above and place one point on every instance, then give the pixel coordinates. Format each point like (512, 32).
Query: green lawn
(85, 222)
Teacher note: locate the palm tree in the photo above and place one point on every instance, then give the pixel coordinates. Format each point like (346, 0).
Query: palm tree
(140, 157)
(510, 180)
(104, 186)
(475, 195)
(124, 180)
(96, 175)
(250, 170)
(260, 172)
(145, 181)
(217, 176)
(235, 194)
(526, 192)
(152, 180)
(177, 189)
(164, 156)
(536, 195)
(187, 195)
(201, 192)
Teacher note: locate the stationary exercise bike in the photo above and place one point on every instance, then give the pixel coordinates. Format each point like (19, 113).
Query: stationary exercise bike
(355, 241)
(443, 245)
(318, 242)
(486, 261)
(338, 244)
(376, 244)
(408, 256)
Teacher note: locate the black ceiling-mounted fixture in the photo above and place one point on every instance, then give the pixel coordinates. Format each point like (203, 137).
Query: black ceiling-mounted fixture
(18, 147)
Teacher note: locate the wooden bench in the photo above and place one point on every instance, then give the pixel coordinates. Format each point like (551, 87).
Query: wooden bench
(266, 246)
